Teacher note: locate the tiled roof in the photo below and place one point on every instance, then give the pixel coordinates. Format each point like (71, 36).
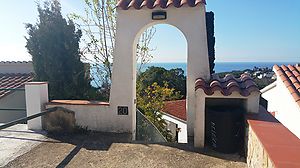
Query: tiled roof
(227, 85)
(150, 4)
(290, 75)
(176, 108)
(13, 81)
(15, 62)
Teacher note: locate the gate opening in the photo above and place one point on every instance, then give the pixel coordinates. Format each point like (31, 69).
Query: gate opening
(225, 125)
(166, 70)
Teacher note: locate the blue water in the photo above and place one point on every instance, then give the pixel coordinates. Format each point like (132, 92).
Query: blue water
(219, 67)
(222, 66)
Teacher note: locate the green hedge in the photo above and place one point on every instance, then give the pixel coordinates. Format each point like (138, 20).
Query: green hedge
(210, 29)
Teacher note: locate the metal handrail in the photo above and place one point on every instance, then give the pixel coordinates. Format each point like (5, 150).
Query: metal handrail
(21, 120)
(13, 109)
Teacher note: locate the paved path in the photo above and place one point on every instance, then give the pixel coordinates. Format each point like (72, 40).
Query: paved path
(116, 150)
(17, 140)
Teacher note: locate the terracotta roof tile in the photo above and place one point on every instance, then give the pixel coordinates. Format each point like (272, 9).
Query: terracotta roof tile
(176, 108)
(244, 85)
(15, 62)
(290, 76)
(13, 81)
(150, 4)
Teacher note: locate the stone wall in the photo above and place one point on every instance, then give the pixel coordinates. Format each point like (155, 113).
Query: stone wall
(256, 154)
(60, 121)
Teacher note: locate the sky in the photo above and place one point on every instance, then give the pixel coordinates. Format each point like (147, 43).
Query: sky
(245, 31)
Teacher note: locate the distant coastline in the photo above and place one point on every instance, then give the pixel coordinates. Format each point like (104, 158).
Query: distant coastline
(221, 66)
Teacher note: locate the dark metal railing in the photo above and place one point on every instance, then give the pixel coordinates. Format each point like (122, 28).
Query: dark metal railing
(24, 119)
(13, 109)
(14, 89)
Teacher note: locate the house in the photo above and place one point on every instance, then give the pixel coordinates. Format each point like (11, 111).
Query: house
(13, 76)
(283, 96)
(174, 112)
(233, 96)
(269, 74)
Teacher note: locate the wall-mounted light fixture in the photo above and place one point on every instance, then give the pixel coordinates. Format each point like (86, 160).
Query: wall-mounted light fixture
(159, 15)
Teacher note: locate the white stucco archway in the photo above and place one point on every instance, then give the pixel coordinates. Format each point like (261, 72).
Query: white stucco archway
(130, 24)
(168, 45)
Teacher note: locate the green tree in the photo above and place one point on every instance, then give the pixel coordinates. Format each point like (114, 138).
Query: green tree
(150, 101)
(174, 77)
(211, 40)
(53, 43)
(99, 29)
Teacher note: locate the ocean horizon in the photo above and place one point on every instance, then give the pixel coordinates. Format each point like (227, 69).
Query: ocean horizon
(219, 66)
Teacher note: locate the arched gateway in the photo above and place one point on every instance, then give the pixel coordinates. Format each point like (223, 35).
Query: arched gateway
(133, 17)
(207, 96)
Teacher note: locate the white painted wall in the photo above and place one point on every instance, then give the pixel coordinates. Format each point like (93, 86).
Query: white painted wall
(270, 93)
(199, 130)
(94, 117)
(16, 67)
(16, 99)
(130, 25)
(182, 134)
(283, 104)
(36, 94)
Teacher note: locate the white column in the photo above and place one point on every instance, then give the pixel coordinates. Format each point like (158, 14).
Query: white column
(36, 94)
(123, 87)
(197, 64)
(199, 129)
(253, 103)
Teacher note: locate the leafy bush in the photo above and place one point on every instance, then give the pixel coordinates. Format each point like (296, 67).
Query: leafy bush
(151, 102)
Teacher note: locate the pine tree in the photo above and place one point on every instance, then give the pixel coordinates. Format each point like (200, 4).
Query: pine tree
(53, 43)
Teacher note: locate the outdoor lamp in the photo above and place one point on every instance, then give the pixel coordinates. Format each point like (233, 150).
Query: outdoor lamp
(159, 15)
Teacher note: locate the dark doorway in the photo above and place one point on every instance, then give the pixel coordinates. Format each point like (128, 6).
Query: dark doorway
(224, 125)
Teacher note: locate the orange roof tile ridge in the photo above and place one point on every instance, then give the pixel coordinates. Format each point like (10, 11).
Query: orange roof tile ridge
(227, 85)
(290, 76)
(17, 74)
(14, 62)
(150, 4)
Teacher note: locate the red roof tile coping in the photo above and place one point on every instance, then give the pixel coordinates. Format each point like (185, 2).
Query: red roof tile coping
(150, 4)
(290, 76)
(36, 83)
(77, 102)
(282, 146)
(15, 62)
(227, 85)
(13, 81)
(176, 108)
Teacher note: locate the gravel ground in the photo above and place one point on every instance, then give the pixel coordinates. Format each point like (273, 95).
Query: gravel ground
(116, 150)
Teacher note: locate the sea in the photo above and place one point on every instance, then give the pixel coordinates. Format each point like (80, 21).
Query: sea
(221, 66)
